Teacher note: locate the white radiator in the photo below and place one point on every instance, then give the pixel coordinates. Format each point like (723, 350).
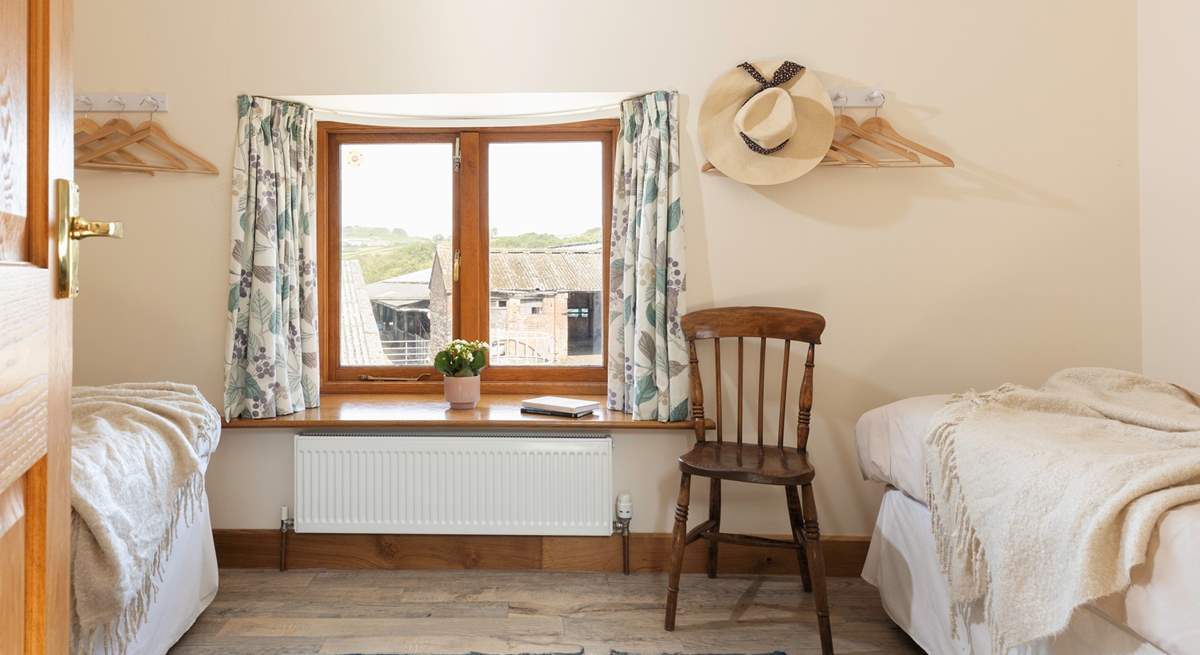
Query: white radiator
(459, 483)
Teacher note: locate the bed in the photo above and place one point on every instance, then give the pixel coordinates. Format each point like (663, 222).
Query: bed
(188, 586)
(143, 560)
(1157, 615)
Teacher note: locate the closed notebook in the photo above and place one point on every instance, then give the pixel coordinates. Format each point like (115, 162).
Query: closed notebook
(560, 405)
(546, 412)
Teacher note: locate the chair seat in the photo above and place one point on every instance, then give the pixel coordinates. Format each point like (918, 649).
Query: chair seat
(747, 463)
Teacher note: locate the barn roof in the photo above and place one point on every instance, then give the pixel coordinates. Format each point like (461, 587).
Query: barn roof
(360, 345)
(572, 268)
(402, 290)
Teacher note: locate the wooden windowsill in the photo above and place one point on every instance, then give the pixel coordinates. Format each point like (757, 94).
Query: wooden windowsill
(431, 411)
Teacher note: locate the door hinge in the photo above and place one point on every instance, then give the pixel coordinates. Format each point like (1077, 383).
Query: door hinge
(457, 158)
(457, 263)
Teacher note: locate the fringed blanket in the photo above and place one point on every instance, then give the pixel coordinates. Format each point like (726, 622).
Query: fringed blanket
(1044, 499)
(135, 470)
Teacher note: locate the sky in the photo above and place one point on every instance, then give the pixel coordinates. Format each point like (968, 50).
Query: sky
(551, 187)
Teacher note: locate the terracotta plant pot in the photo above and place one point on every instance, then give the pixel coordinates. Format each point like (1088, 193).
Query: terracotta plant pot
(462, 393)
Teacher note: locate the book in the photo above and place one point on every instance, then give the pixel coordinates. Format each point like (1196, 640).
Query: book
(560, 405)
(546, 412)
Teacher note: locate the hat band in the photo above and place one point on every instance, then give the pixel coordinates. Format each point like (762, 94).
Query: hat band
(753, 145)
(786, 71)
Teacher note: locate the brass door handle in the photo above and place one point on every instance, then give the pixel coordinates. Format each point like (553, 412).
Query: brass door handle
(81, 229)
(72, 228)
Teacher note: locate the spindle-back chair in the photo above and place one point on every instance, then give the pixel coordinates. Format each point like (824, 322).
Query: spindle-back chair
(760, 462)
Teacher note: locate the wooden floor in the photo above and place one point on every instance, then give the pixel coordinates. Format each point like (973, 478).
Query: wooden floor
(374, 611)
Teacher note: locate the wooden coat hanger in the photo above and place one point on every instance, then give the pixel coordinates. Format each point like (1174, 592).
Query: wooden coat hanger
(879, 132)
(88, 132)
(882, 127)
(117, 137)
(850, 125)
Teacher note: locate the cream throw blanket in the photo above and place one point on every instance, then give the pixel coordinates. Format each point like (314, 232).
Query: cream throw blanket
(135, 468)
(1044, 499)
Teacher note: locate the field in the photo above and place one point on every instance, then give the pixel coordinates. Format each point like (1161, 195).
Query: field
(385, 253)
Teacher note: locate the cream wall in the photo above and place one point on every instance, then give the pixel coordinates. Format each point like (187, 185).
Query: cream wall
(1168, 94)
(1022, 260)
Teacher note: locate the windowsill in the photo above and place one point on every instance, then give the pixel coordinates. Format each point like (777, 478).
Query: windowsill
(431, 411)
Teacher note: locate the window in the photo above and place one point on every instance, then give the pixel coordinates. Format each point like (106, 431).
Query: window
(497, 234)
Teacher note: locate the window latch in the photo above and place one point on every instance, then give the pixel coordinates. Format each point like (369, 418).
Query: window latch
(383, 378)
(457, 264)
(457, 162)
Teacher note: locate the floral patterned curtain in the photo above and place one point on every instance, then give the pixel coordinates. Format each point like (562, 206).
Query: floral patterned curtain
(647, 353)
(271, 353)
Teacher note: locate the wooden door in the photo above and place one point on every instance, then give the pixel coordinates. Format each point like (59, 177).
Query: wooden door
(35, 328)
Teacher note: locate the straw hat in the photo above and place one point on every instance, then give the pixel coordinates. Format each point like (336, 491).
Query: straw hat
(766, 123)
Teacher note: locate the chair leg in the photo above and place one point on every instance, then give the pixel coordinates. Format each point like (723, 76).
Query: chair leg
(714, 513)
(816, 564)
(678, 543)
(796, 516)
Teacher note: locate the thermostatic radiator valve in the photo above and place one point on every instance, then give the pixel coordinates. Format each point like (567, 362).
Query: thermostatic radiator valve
(624, 518)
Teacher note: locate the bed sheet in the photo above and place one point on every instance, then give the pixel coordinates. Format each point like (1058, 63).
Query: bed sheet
(1163, 602)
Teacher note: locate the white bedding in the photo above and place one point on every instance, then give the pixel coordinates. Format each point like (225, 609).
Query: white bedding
(188, 585)
(902, 564)
(1163, 603)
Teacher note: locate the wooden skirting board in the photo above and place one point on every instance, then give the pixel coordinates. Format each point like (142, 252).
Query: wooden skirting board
(844, 555)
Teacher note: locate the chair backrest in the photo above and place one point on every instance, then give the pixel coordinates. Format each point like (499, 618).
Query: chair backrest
(762, 323)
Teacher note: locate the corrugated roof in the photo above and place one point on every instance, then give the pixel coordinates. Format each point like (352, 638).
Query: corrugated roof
(401, 290)
(361, 345)
(512, 269)
(542, 269)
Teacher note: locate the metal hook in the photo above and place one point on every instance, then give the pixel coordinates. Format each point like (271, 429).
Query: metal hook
(878, 99)
(118, 100)
(87, 100)
(154, 101)
(839, 102)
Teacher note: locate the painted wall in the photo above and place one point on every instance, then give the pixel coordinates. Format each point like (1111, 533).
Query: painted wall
(1168, 91)
(1021, 261)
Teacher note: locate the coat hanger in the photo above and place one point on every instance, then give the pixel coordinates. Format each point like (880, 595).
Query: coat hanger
(851, 126)
(881, 126)
(149, 135)
(86, 136)
(88, 131)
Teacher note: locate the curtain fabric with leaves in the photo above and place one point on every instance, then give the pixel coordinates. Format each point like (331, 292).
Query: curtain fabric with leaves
(271, 353)
(648, 362)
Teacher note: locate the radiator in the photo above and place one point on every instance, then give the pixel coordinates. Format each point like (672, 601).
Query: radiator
(461, 483)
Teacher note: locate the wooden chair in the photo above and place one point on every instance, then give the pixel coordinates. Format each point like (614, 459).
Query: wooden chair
(756, 463)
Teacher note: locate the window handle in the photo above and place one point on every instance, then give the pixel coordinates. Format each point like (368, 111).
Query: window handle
(383, 378)
(457, 264)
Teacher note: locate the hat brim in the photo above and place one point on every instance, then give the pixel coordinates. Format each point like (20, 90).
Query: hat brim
(725, 149)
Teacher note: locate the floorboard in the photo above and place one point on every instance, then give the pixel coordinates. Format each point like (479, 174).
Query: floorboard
(369, 611)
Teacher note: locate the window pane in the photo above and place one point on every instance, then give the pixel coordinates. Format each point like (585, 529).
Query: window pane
(545, 215)
(397, 213)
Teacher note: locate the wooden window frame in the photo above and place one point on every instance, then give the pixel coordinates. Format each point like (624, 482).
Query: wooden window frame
(470, 236)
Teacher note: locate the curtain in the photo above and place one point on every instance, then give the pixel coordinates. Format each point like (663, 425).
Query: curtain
(271, 353)
(648, 362)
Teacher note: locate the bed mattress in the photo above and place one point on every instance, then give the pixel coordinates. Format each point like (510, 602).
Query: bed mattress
(187, 587)
(1161, 606)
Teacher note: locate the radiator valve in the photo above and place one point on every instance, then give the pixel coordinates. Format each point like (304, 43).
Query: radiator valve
(285, 525)
(624, 517)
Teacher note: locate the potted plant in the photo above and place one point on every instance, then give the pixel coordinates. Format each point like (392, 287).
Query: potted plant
(460, 363)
